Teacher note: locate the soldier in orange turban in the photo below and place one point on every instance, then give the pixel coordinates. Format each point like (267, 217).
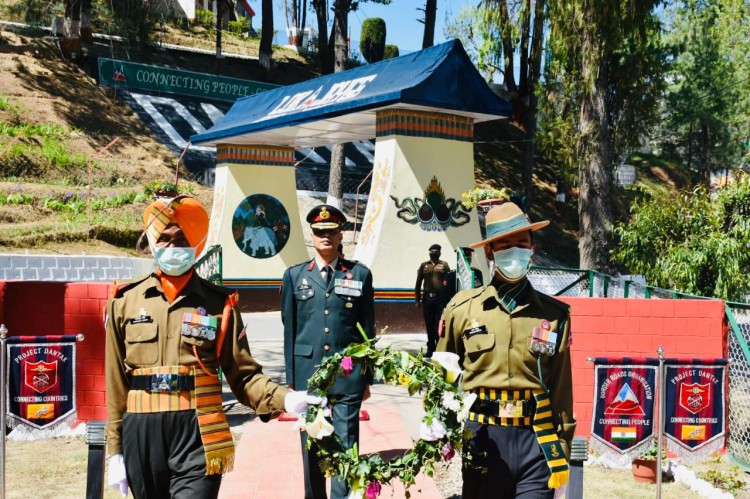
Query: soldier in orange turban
(168, 334)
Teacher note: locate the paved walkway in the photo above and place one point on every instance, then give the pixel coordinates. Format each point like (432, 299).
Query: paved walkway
(268, 462)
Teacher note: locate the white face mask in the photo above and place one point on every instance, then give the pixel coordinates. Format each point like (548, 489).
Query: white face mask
(512, 263)
(174, 261)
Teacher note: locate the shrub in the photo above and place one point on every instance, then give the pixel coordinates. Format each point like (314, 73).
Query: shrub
(239, 26)
(372, 39)
(205, 18)
(390, 52)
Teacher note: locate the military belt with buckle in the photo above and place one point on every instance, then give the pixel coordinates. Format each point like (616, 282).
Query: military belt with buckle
(163, 382)
(504, 408)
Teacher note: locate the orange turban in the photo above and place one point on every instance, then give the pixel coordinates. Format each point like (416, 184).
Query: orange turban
(185, 211)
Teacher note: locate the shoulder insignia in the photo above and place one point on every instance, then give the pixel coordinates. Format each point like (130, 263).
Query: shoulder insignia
(215, 287)
(554, 301)
(119, 288)
(464, 295)
(354, 263)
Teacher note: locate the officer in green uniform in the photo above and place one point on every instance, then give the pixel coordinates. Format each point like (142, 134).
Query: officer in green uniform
(513, 343)
(432, 274)
(322, 301)
(167, 334)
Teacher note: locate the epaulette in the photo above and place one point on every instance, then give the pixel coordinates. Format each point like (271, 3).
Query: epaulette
(215, 287)
(119, 287)
(463, 296)
(554, 301)
(354, 263)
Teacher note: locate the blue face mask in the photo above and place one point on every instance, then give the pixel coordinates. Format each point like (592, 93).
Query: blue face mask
(174, 261)
(513, 263)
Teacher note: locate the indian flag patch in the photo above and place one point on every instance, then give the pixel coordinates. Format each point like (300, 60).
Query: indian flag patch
(623, 433)
(693, 432)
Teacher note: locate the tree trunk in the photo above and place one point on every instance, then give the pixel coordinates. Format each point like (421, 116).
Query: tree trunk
(86, 35)
(70, 44)
(595, 153)
(430, 12)
(294, 32)
(341, 55)
(324, 54)
(219, 23)
(266, 38)
(530, 84)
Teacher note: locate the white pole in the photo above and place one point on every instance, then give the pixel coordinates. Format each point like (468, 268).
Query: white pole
(3, 390)
(660, 423)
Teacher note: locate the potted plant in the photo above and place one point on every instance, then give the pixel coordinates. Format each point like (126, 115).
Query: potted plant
(162, 189)
(484, 197)
(644, 467)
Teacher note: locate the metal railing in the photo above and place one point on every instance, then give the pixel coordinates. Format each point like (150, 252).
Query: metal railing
(209, 266)
(590, 283)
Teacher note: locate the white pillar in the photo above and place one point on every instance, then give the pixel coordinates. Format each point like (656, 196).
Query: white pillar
(423, 162)
(255, 215)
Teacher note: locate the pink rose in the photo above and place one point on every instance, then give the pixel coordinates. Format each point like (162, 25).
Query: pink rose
(373, 490)
(448, 452)
(347, 365)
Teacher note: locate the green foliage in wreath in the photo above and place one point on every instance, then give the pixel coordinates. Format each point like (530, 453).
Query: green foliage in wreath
(446, 407)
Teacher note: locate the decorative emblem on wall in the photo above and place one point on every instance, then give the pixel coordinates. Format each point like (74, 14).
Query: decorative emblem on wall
(260, 226)
(435, 212)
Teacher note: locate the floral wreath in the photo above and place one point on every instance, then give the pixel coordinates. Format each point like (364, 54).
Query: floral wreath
(446, 407)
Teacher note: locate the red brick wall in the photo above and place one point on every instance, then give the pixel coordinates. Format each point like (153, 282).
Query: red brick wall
(40, 308)
(600, 326)
(614, 327)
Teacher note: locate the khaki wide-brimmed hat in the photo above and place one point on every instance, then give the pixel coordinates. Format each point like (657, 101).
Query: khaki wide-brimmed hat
(505, 220)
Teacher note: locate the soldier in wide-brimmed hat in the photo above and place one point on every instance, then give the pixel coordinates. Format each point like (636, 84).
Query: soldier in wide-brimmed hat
(513, 343)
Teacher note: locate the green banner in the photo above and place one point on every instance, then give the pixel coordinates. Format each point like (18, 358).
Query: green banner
(130, 75)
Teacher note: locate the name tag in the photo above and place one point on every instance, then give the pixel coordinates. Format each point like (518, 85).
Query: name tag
(475, 330)
(143, 319)
(344, 291)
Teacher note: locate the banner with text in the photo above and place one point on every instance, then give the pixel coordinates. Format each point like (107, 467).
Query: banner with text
(130, 75)
(623, 409)
(695, 413)
(41, 380)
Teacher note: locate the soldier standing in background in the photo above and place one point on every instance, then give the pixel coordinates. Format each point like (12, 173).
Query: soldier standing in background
(432, 274)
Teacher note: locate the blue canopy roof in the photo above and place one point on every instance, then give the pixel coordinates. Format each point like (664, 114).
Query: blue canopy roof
(341, 107)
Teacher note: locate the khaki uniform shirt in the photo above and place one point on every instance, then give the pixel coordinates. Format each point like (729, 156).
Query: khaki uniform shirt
(433, 275)
(494, 347)
(154, 339)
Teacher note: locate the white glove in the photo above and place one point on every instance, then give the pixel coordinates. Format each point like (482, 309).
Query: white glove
(116, 477)
(561, 491)
(296, 402)
(430, 433)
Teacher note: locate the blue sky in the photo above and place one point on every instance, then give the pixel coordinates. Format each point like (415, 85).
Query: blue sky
(400, 18)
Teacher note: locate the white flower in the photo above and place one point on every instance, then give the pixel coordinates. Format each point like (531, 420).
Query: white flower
(320, 428)
(450, 402)
(466, 404)
(356, 494)
(449, 362)
(432, 432)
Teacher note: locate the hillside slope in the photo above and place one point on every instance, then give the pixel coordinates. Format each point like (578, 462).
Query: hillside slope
(55, 197)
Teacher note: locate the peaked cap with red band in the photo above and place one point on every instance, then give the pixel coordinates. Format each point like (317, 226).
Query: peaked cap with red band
(325, 216)
(183, 210)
